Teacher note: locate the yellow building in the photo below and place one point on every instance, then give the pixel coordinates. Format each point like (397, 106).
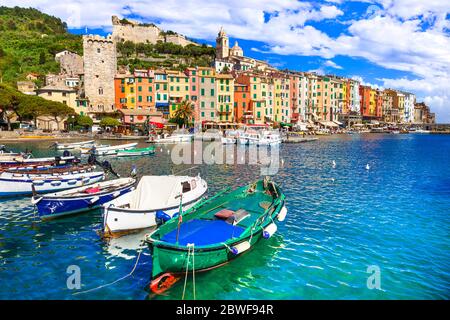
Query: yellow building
(61, 93)
(373, 102)
(225, 97)
(178, 84)
(285, 99)
(277, 101)
(207, 93)
(267, 92)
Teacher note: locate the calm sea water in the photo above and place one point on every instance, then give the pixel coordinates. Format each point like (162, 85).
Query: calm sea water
(340, 221)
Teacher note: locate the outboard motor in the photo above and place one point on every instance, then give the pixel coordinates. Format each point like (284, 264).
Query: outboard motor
(108, 168)
(91, 160)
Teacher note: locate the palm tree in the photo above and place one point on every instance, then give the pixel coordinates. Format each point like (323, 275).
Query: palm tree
(184, 112)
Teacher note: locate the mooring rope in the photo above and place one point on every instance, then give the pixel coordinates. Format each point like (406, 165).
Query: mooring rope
(111, 283)
(191, 251)
(187, 269)
(193, 267)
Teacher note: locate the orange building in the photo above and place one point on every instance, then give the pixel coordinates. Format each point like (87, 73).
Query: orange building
(379, 104)
(241, 102)
(134, 91)
(364, 93)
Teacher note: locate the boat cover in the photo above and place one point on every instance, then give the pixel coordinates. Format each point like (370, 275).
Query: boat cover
(203, 232)
(157, 192)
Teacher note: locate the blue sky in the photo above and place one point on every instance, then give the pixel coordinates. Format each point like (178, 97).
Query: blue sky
(402, 44)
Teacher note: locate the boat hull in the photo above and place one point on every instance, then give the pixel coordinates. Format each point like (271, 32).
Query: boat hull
(50, 208)
(119, 221)
(216, 242)
(167, 260)
(10, 186)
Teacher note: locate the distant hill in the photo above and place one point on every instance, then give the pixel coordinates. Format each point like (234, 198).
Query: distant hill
(29, 40)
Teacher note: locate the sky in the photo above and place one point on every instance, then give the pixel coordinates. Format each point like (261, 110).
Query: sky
(402, 44)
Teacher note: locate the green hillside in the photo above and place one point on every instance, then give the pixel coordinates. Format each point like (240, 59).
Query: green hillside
(29, 40)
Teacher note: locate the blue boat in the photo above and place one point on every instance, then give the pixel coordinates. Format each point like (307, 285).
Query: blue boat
(81, 199)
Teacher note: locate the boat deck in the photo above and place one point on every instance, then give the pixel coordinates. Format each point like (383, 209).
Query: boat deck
(210, 229)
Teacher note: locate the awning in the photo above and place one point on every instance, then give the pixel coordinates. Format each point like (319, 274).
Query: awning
(338, 123)
(328, 124)
(161, 104)
(156, 124)
(286, 124)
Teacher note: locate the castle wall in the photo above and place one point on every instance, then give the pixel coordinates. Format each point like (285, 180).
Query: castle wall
(70, 63)
(134, 32)
(100, 66)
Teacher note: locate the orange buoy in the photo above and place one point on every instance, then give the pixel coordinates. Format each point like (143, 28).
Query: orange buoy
(163, 282)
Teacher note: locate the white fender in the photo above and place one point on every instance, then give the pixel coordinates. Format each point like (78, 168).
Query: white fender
(269, 230)
(241, 247)
(94, 199)
(116, 194)
(282, 214)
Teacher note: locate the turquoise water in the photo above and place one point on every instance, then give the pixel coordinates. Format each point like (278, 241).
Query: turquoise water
(340, 221)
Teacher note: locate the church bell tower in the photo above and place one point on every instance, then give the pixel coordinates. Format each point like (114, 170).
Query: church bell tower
(222, 45)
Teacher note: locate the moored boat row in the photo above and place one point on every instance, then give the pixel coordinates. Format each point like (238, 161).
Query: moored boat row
(220, 228)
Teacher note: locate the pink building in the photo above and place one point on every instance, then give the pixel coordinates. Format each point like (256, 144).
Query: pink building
(193, 91)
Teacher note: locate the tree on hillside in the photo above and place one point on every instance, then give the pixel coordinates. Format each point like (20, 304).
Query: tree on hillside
(31, 107)
(42, 59)
(9, 102)
(109, 122)
(184, 113)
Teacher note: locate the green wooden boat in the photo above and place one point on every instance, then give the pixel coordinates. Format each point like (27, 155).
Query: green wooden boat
(136, 152)
(214, 231)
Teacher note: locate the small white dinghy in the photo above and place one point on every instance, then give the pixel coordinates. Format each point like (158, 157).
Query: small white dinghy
(155, 198)
(22, 184)
(74, 145)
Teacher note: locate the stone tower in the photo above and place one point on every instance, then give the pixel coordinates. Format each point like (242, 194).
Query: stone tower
(100, 66)
(222, 45)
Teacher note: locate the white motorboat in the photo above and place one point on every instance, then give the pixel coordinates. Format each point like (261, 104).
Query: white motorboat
(22, 184)
(249, 137)
(174, 138)
(230, 137)
(269, 138)
(422, 131)
(212, 135)
(75, 145)
(156, 199)
(109, 150)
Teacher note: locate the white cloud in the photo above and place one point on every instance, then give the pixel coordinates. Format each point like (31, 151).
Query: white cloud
(332, 64)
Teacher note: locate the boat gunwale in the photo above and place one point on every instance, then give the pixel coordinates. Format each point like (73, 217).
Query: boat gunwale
(277, 203)
(74, 197)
